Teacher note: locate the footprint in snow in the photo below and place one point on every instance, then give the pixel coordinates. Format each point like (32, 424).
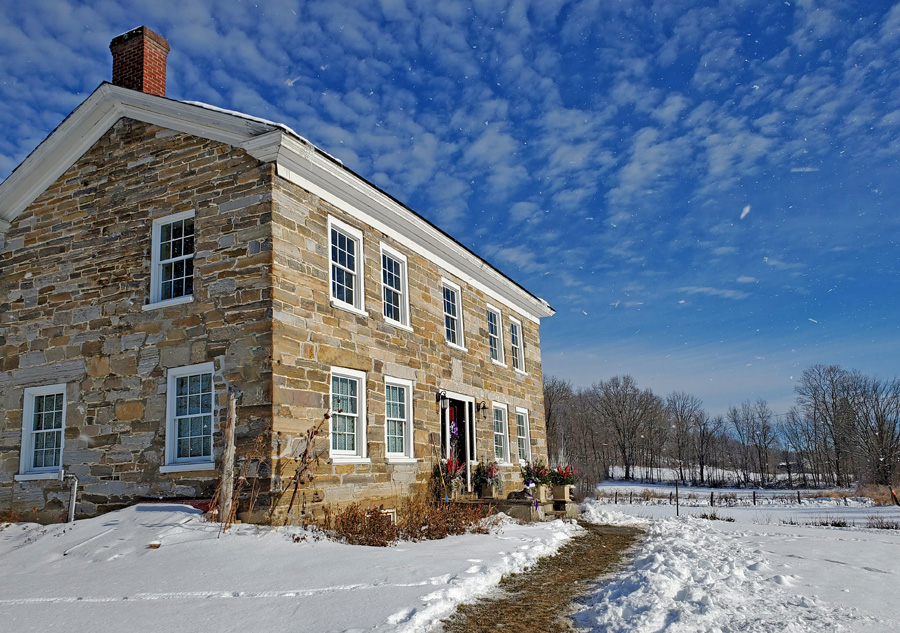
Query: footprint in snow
(474, 569)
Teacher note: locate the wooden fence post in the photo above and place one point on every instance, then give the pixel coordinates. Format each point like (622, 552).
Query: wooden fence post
(226, 485)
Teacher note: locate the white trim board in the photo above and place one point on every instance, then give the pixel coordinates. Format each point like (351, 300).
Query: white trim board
(297, 161)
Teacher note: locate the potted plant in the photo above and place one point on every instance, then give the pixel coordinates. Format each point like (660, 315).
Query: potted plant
(487, 478)
(563, 478)
(536, 476)
(452, 475)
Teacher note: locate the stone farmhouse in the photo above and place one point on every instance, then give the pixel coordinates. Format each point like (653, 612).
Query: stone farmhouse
(157, 254)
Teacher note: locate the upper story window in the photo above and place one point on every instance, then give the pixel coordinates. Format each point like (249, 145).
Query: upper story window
(172, 272)
(190, 407)
(495, 334)
(515, 341)
(345, 271)
(43, 426)
(522, 440)
(501, 434)
(394, 286)
(452, 300)
(348, 414)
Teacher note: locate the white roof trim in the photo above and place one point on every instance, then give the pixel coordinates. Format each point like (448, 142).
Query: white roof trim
(297, 160)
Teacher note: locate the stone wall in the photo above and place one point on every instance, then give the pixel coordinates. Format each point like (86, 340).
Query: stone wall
(74, 275)
(310, 336)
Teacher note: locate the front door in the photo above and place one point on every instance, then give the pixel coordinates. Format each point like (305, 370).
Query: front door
(457, 439)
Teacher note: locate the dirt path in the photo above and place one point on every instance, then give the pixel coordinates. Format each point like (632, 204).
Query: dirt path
(540, 598)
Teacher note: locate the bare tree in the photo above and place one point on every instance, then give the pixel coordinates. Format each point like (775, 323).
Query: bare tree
(706, 431)
(628, 411)
(684, 411)
(876, 405)
(823, 394)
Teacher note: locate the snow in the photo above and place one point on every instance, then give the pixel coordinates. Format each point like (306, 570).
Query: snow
(768, 570)
(97, 573)
(162, 567)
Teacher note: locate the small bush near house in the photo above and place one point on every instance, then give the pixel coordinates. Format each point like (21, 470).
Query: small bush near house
(356, 526)
(422, 517)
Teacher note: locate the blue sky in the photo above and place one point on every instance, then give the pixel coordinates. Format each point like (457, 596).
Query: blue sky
(707, 193)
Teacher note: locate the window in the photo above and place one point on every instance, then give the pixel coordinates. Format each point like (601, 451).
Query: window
(398, 418)
(495, 334)
(43, 426)
(190, 409)
(346, 266)
(501, 446)
(394, 286)
(524, 447)
(453, 330)
(515, 341)
(348, 414)
(172, 272)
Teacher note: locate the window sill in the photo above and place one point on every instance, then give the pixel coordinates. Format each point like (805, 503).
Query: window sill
(36, 476)
(402, 460)
(349, 459)
(168, 302)
(498, 363)
(457, 347)
(398, 325)
(349, 308)
(521, 371)
(185, 468)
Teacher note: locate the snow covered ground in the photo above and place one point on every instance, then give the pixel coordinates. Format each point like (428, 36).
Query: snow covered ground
(771, 569)
(162, 568)
(104, 575)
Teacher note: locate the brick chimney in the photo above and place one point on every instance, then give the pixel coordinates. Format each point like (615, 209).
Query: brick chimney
(139, 61)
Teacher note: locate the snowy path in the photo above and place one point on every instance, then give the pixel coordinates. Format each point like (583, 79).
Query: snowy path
(696, 575)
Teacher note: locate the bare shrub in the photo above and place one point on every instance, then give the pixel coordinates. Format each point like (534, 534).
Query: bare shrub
(881, 523)
(713, 515)
(355, 526)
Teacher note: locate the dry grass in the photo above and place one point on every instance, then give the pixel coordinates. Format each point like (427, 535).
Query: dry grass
(421, 517)
(540, 598)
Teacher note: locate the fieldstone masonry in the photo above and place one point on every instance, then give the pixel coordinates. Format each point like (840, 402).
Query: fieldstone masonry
(74, 280)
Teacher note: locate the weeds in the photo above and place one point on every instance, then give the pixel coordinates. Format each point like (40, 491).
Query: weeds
(712, 515)
(420, 518)
(880, 523)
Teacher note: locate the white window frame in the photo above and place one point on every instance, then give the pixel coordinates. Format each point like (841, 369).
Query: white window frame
(460, 344)
(27, 470)
(359, 454)
(359, 298)
(399, 257)
(498, 406)
(500, 360)
(407, 455)
(517, 351)
(173, 463)
(527, 437)
(156, 264)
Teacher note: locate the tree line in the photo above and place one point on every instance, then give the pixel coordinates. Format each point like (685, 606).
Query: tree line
(843, 429)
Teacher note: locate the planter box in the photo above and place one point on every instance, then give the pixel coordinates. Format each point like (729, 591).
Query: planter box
(489, 492)
(562, 493)
(539, 492)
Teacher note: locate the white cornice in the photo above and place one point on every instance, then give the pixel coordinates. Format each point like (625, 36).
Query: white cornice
(297, 161)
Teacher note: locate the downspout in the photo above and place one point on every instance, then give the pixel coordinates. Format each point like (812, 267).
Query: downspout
(73, 492)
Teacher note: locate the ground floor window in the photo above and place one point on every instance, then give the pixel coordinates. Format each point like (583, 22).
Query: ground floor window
(190, 400)
(501, 444)
(348, 413)
(398, 417)
(43, 426)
